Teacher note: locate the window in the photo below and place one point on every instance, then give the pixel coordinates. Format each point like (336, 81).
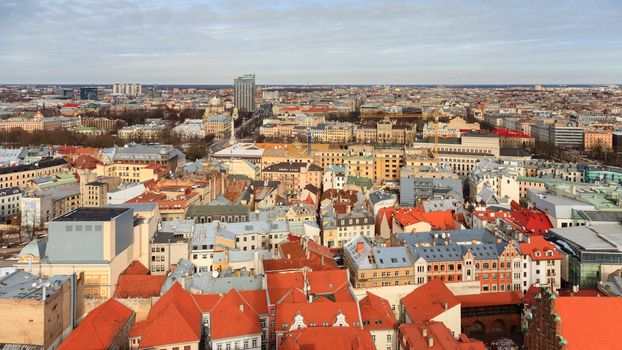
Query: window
(388, 337)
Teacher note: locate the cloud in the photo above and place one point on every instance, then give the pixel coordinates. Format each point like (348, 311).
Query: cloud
(408, 41)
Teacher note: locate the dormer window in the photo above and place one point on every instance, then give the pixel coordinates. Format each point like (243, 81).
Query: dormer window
(537, 254)
(549, 253)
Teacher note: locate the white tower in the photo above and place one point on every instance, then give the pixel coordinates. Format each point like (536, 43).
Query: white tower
(234, 116)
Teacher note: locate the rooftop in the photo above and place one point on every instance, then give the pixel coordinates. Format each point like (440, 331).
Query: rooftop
(92, 214)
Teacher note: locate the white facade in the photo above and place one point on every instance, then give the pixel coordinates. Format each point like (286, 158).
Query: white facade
(9, 204)
(543, 272)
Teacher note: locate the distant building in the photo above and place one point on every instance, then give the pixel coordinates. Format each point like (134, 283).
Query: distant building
(244, 92)
(89, 93)
(128, 89)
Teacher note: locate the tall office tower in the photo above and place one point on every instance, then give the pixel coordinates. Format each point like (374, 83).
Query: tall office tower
(244, 92)
(89, 93)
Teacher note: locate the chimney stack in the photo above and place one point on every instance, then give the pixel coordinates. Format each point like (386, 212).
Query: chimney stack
(242, 307)
(424, 332)
(360, 246)
(430, 342)
(445, 305)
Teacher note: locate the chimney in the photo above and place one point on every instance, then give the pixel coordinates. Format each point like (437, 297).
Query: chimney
(322, 260)
(424, 332)
(289, 256)
(499, 240)
(430, 342)
(308, 253)
(360, 246)
(242, 307)
(445, 305)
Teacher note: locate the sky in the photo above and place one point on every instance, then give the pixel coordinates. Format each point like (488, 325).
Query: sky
(311, 42)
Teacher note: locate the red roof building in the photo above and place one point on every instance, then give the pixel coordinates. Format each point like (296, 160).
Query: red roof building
(378, 318)
(342, 338)
(105, 327)
(542, 263)
(299, 253)
(175, 319)
(574, 323)
(432, 301)
(398, 220)
(431, 335)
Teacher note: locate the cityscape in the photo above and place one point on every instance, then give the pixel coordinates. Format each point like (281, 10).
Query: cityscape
(307, 176)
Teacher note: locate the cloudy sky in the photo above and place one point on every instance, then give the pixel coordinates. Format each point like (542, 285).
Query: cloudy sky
(300, 41)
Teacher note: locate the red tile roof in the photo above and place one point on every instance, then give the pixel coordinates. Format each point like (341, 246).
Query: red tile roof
(139, 286)
(136, 268)
(531, 221)
(232, 316)
(376, 313)
(338, 338)
(279, 284)
(298, 254)
(85, 161)
(174, 319)
(428, 301)
(100, 327)
(537, 248)
(439, 220)
(490, 299)
(319, 312)
(510, 133)
(327, 282)
(590, 322)
(438, 337)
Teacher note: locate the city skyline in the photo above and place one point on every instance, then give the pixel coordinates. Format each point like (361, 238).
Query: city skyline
(320, 42)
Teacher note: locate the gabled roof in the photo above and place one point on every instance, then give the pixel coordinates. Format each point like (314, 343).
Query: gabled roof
(438, 337)
(233, 316)
(136, 268)
(99, 328)
(279, 284)
(428, 301)
(319, 311)
(439, 220)
(533, 221)
(342, 338)
(139, 286)
(376, 313)
(175, 318)
(539, 248)
(327, 282)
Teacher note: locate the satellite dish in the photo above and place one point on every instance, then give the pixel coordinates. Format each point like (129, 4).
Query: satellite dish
(215, 274)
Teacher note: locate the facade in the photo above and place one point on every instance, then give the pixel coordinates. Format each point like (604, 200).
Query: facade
(10, 205)
(377, 266)
(244, 92)
(293, 177)
(27, 304)
(20, 175)
(541, 263)
(39, 207)
(128, 89)
(166, 249)
(219, 125)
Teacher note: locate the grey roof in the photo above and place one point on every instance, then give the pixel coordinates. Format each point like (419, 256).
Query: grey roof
(207, 210)
(36, 248)
(207, 284)
(177, 226)
(369, 257)
(165, 237)
(46, 163)
(378, 196)
(92, 214)
(151, 152)
(18, 285)
(183, 269)
(599, 215)
(605, 237)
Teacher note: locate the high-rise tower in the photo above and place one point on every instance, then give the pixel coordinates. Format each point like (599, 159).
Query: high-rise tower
(244, 92)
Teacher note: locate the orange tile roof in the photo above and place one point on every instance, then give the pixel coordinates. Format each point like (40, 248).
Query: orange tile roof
(441, 337)
(175, 318)
(232, 306)
(327, 282)
(537, 244)
(318, 312)
(439, 220)
(294, 252)
(139, 286)
(136, 268)
(341, 338)
(428, 301)
(376, 313)
(490, 299)
(530, 221)
(279, 284)
(590, 322)
(85, 161)
(99, 328)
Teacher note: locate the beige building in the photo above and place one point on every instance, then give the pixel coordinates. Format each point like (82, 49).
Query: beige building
(293, 177)
(388, 162)
(30, 318)
(219, 125)
(594, 138)
(21, 175)
(133, 172)
(386, 132)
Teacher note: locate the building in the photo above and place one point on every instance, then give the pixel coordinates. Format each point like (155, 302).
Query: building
(590, 253)
(244, 91)
(223, 213)
(89, 94)
(474, 255)
(432, 301)
(20, 175)
(218, 125)
(107, 239)
(38, 207)
(378, 318)
(327, 338)
(434, 335)
(28, 304)
(10, 205)
(145, 154)
(128, 89)
(377, 266)
(598, 139)
(541, 263)
(141, 132)
(169, 245)
(105, 327)
(559, 323)
(293, 177)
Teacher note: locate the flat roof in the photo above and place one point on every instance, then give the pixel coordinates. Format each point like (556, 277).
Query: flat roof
(92, 214)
